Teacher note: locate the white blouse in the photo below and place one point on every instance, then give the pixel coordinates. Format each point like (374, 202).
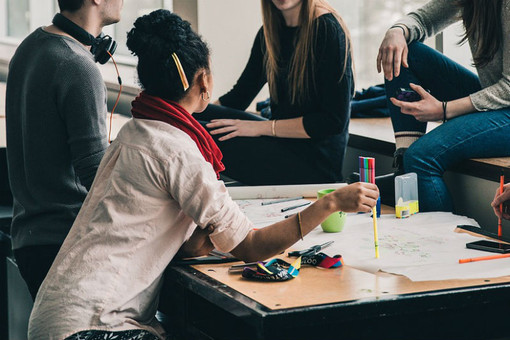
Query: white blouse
(152, 189)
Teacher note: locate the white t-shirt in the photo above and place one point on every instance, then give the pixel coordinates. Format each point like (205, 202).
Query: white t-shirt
(151, 190)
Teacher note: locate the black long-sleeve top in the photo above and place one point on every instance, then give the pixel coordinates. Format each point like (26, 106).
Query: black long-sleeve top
(326, 113)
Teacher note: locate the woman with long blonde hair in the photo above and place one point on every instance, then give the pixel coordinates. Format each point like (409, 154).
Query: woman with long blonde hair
(303, 52)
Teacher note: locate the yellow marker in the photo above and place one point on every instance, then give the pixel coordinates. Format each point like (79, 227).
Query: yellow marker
(376, 238)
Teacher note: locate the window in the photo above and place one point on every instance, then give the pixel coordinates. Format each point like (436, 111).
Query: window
(18, 18)
(231, 36)
(24, 16)
(131, 11)
(368, 21)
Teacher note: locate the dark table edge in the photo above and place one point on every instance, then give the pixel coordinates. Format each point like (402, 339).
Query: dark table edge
(268, 320)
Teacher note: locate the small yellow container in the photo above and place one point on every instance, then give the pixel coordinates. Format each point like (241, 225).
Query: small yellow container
(406, 195)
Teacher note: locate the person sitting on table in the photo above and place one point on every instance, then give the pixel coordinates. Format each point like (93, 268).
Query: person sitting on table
(502, 198)
(303, 52)
(157, 182)
(474, 108)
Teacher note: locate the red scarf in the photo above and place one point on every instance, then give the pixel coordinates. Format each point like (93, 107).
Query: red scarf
(149, 107)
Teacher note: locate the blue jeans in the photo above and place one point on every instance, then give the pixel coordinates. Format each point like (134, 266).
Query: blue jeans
(474, 135)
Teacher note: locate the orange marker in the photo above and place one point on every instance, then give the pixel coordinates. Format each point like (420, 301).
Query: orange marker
(501, 183)
(483, 258)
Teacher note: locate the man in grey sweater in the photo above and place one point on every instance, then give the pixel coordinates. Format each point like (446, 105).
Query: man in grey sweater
(56, 132)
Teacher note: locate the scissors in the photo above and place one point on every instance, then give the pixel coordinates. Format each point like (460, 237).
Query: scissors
(310, 251)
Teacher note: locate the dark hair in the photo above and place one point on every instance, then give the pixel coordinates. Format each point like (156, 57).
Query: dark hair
(70, 5)
(482, 21)
(153, 39)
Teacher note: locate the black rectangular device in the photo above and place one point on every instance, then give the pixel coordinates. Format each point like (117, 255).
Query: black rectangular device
(486, 245)
(407, 95)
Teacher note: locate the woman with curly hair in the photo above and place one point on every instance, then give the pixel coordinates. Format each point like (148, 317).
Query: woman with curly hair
(157, 193)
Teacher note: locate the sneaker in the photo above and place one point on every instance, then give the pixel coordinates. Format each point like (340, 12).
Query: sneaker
(352, 178)
(398, 160)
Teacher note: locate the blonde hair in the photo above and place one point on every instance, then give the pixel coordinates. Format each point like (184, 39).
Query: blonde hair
(302, 64)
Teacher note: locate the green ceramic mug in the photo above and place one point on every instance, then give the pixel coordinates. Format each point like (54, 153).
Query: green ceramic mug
(336, 221)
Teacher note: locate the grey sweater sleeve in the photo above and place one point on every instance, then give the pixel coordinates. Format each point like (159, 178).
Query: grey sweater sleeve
(435, 16)
(430, 19)
(82, 104)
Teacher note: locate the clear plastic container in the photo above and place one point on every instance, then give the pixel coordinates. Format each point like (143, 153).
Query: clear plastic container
(406, 195)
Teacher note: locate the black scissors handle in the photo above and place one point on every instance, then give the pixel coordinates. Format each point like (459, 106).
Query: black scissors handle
(297, 253)
(309, 251)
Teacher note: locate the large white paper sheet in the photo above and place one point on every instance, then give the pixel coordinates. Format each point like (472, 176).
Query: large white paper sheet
(264, 215)
(423, 247)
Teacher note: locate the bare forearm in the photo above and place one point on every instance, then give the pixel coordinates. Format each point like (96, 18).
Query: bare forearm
(264, 243)
(403, 28)
(267, 242)
(286, 128)
(459, 107)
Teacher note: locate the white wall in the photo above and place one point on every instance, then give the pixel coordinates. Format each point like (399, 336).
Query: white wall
(44, 14)
(229, 27)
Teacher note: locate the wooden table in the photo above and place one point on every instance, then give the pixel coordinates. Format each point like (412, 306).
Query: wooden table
(205, 302)
(370, 307)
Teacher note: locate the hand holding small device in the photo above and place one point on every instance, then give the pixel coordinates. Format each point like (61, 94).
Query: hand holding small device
(407, 95)
(419, 103)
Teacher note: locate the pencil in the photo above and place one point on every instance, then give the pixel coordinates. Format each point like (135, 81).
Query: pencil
(295, 206)
(376, 238)
(483, 258)
(282, 200)
(371, 178)
(501, 183)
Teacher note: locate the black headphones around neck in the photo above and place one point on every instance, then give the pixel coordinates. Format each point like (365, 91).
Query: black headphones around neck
(99, 46)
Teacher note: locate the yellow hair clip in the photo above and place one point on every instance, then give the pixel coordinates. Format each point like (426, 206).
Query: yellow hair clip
(184, 80)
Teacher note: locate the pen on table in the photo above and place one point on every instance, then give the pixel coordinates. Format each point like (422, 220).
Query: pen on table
(295, 207)
(501, 184)
(483, 258)
(220, 254)
(282, 200)
(240, 267)
(204, 260)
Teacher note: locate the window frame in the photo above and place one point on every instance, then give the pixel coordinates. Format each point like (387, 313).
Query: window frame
(36, 20)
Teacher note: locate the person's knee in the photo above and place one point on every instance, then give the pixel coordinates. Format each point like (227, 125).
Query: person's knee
(416, 52)
(409, 161)
(420, 160)
(415, 46)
